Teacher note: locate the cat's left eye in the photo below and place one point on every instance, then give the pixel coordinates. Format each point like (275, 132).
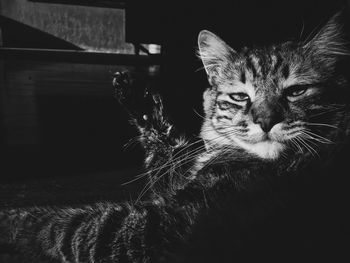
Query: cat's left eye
(296, 91)
(240, 97)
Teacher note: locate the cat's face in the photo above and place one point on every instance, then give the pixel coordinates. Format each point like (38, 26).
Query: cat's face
(269, 100)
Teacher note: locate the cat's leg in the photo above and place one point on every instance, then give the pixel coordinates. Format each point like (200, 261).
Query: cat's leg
(162, 229)
(167, 152)
(103, 232)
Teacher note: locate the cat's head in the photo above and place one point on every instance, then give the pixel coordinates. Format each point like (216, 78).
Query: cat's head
(269, 101)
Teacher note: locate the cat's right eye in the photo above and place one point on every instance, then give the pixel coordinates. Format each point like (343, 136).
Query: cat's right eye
(239, 97)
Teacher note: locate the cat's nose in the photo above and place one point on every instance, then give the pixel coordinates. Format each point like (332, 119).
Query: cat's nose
(266, 116)
(267, 123)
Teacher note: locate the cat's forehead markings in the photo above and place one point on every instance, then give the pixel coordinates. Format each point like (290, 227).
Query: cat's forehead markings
(252, 65)
(273, 60)
(290, 81)
(255, 60)
(238, 86)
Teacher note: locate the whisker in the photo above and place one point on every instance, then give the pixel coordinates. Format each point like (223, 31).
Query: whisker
(189, 158)
(298, 139)
(208, 66)
(330, 110)
(131, 142)
(317, 137)
(177, 161)
(223, 150)
(150, 184)
(307, 146)
(186, 147)
(321, 124)
(167, 164)
(157, 177)
(232, 131)
(204, 118)
(302, 30)
(296, 144)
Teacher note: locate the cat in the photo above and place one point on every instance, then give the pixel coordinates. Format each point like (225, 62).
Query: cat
(255, 184)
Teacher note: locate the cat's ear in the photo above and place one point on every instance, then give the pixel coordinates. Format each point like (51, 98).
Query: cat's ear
(214, 53)
(329, 42)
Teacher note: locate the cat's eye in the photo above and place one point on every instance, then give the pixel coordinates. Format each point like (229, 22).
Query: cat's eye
(240, 97)
(295, 91)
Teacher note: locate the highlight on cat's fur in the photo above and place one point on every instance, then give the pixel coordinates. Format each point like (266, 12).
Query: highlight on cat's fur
(264, 99)
(273, 117)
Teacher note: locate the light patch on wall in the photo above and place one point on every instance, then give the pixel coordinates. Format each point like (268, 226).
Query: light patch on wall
(95, 29)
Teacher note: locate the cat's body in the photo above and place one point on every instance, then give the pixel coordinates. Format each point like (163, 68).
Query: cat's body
(264, 182)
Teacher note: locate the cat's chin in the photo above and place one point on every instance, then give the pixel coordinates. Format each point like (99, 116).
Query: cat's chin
(267, 149)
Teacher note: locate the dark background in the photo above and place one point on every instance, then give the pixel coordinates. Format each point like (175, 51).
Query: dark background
(58, 116)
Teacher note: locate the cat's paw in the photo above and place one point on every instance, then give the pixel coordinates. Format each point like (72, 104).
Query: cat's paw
(135, 94)
(121, 85)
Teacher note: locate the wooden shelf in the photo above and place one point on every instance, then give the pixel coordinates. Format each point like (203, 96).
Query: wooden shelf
(98, 3)
(78, 56)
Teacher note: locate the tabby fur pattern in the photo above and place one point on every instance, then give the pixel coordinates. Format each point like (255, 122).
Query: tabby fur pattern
(252, 187)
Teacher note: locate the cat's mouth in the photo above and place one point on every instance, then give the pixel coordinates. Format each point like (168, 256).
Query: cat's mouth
(262, 137)
(266, 147)
(266, 137)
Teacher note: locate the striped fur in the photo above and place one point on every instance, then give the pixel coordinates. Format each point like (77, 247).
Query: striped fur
(265, 100)
(218, 198)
